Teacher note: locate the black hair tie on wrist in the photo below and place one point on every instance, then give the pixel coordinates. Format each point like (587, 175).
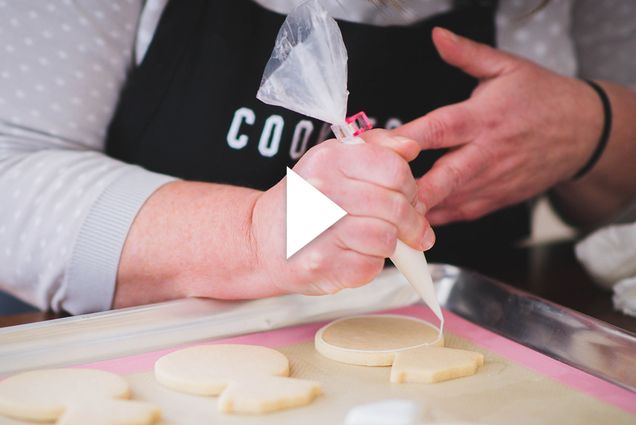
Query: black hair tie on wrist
(607, 127)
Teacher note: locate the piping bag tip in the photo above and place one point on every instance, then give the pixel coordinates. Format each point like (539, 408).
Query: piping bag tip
(412, 264)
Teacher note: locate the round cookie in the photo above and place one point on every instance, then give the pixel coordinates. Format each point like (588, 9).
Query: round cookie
(373, 340)
(249, 379)
(208, 369)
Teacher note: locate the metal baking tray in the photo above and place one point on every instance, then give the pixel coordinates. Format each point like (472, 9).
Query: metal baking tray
(571, 337)
(563, 334)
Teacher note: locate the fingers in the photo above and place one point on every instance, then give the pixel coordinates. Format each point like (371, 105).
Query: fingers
(367, 235)
(363, 199)
(374, 184)
(476, 59)
(407, 148)
(444, 127)
(378, 165)
(449, 173)
(327, 271)
(491, 190)
(368, 180)
(366, 242)
(467, 211)
(352, 269)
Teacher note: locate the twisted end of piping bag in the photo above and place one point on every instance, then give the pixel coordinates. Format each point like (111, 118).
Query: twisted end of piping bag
(409, 261)
(353, 126)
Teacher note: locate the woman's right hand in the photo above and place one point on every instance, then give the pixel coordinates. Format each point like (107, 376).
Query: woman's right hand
(193, 239)
(374, 184)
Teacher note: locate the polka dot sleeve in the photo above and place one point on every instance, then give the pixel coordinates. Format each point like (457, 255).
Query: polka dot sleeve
(65, 207)
(605, 37)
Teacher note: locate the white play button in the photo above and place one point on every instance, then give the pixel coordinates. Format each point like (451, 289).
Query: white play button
(309, 212)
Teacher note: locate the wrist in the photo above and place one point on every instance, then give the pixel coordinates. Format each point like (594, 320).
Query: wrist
(604, 136)
(267, 239)
(592, 128)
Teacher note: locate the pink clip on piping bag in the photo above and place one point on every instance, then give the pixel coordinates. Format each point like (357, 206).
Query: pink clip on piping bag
(307, 73)
(354, 126)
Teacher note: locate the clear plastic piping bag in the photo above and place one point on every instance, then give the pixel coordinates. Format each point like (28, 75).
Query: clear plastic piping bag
(307, 73)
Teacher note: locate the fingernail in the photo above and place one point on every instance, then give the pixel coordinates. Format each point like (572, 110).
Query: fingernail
(449, 35)
(428, 240)
(436, 217)
(329, 287)
(420, 207)
(400, 139)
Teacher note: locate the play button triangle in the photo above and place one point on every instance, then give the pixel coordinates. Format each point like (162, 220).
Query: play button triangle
(309, 212)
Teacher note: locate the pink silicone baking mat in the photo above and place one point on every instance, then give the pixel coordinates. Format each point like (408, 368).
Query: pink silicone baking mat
(514, 352)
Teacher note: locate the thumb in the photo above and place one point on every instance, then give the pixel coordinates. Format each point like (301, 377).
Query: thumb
(476, 59)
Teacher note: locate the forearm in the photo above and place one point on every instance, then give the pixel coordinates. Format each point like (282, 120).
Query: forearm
(191, 239)
(611, 183)
(227, 242)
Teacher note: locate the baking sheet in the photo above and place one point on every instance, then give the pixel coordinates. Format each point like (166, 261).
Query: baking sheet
(85, 338)
(561, 333)
(516, 385)
(569, 337)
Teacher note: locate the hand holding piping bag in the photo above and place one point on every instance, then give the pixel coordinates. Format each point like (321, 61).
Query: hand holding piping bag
(411, 262)
(307, 73)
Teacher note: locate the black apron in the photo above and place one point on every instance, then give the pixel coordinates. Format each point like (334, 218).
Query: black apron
(189, 109)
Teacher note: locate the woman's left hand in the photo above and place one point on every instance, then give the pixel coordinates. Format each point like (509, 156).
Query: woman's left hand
(523, 130)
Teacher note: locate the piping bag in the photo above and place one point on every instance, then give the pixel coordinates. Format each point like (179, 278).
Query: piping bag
(307, 73)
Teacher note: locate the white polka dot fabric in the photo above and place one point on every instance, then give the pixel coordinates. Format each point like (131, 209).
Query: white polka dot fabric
(62, 66)
(588, 38)
(543, 37)
(65, 208)
(605, 40)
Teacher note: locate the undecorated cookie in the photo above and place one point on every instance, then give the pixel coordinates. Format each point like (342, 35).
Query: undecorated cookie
(250, 379)
(434, 364)
(263, 395)
(71, 397)
(373, 340)
(109, 412)
(208, 369)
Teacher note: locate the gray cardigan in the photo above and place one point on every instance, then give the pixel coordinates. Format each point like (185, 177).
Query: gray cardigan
(66, 208)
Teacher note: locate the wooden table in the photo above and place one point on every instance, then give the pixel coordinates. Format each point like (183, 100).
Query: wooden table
(549, 271)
